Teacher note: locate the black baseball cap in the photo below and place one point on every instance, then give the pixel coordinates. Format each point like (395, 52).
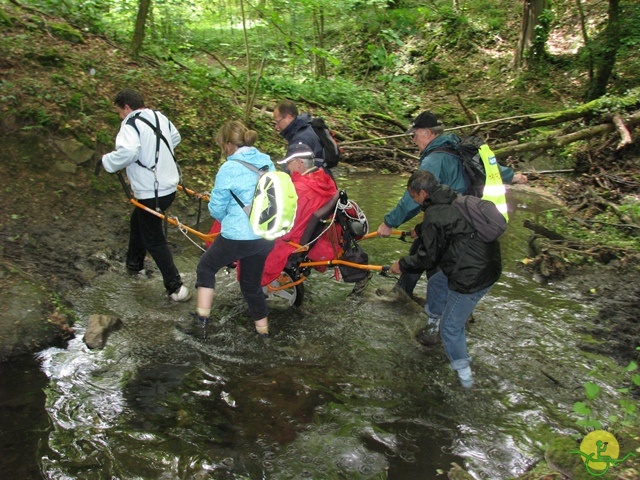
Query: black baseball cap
(425, 120)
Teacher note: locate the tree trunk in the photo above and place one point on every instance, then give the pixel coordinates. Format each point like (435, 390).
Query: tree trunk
(605, 58)
(138, 33)
(585, 37)
(532, 9)
(319, 60)
(247, 110)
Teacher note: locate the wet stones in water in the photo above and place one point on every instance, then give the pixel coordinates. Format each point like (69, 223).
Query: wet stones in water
(99, 328)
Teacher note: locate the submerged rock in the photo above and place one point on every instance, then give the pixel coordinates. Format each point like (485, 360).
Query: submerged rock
(99, 328)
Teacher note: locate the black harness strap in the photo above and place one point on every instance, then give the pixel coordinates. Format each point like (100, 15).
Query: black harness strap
(159, 136)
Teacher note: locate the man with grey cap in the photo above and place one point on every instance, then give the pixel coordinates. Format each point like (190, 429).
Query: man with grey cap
(314, 188)
(436, 157)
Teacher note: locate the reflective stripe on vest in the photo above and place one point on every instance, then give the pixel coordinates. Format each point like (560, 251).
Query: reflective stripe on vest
(494, 189)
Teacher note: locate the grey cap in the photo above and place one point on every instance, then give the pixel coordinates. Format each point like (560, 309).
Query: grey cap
(295, 151)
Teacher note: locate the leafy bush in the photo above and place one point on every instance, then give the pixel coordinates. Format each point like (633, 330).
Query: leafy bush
(627, 409)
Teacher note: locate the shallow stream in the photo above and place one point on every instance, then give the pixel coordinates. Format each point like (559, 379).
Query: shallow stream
(342, 390)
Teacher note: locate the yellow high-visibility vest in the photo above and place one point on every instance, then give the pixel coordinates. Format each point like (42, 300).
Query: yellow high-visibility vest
(494, 189)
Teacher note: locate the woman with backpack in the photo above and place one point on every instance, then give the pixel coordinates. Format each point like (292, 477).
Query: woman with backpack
(235, 183)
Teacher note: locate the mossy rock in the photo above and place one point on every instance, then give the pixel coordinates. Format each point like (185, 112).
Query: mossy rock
(559, 458)
(66, 32)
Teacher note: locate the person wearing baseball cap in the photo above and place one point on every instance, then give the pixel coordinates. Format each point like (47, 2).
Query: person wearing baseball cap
(424, 120)
(437, 155)
(315, 188)
(298, 152)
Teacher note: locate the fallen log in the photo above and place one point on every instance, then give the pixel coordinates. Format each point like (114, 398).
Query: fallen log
(562, 140)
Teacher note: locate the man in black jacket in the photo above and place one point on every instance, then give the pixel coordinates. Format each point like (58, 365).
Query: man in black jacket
(296, 128)
(461, 267)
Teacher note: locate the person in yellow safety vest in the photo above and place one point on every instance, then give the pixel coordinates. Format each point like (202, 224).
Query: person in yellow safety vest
(437, 156)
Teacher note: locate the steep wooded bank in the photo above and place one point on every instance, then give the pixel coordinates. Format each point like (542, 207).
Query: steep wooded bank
(60, 81)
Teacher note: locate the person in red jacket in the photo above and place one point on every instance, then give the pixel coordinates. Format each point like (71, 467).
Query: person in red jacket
(314, 188)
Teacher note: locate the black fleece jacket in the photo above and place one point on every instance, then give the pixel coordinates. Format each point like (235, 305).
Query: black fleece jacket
(448, 242)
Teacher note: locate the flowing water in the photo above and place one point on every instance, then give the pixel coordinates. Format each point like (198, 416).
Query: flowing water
(341, 390)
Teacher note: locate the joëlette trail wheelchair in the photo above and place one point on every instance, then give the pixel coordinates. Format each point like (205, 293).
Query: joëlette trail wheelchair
(339, 224)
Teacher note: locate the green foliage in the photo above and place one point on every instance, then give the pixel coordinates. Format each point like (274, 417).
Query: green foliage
(63, 308)
(616, 104)
(627, 407)
(631, 206)
(538, 51)
(66, 32)
(334, 93)
(456, 29)
(5, 19)
(604, 225)
(34, 116)
(50, 57)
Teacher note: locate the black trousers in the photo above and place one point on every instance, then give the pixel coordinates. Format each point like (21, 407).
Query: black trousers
(408, 280)
(252, 254)
(146, 235)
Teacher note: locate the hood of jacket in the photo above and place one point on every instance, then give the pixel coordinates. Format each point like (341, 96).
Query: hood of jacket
(441, 195)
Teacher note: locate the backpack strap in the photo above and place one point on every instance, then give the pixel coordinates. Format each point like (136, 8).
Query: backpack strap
(260, 171)
(455, 153)
(158, 132)
(159, 136)
(446, 150)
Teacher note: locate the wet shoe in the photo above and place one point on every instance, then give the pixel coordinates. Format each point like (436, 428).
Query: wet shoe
(195, 326)
(395, 294)
(359, 287)
(142, 273)
(427, 337)
(262, 331)
(466, 377)
(181, 295)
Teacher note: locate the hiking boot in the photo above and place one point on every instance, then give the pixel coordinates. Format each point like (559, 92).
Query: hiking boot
(427, 336)
(181, 295)
(395, 294)
(359, 287)
(195, 326)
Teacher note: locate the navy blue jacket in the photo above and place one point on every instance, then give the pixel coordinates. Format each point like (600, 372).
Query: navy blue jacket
(301, 131)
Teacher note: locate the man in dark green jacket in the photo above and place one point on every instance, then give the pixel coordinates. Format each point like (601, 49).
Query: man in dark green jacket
(462, 267)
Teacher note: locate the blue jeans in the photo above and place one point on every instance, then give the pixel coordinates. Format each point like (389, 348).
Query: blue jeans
(453, 309)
